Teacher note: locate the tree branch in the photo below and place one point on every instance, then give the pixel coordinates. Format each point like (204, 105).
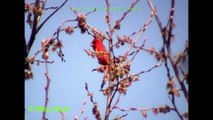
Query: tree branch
(165, 39)
(46, 90)
(107, 112)
(41, 25)
(35, 23)
(34, 29)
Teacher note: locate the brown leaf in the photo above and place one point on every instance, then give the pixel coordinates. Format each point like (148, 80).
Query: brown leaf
(186, 115)
(170, 83)
(69, 30)
(155, 111)
(175, 92)
(107, 19)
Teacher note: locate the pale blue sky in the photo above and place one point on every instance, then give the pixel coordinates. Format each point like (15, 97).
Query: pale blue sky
(67, 79)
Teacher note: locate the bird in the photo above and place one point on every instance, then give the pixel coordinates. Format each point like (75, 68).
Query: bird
(102, 56)
(102, 53)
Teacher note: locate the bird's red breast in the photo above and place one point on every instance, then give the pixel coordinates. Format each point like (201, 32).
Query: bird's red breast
(103, 54)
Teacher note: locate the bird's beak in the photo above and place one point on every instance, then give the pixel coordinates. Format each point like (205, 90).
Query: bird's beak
(91, 44)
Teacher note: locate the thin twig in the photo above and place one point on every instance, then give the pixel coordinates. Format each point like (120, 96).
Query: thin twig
(46, 90)
(175, 108)
(117, 101)
(76, 13)
(89, 93)
(145, 71)
(141, 72)
(90, 12)
(133, 109)
(113, 95)
(138, 50)
(171, 18)
(35, 23)
(95, 110)
(50, 8)
(40, 61)
(40, 26)
(168, 47)
(44, 3)
(167, 44)
(82, 109)
(34, 29)
(169, 52)
(107, 112)
(155, 13)
(181, 70)
(126, 13)
(140, 34)
(97, 31)
(51, 38)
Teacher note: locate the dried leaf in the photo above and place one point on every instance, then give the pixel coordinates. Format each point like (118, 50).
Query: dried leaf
(164, 109)
(170, 83)
(186, 115)
(107, 19)
(27, 6)
(155, 111)
(131, 53)
(175, 92)
(45, 55)
(69, 30)
(117, 25)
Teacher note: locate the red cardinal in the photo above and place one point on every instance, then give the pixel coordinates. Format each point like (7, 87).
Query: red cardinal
(103, 54)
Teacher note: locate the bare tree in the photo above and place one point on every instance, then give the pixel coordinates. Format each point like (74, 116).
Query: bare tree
(117, 75)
